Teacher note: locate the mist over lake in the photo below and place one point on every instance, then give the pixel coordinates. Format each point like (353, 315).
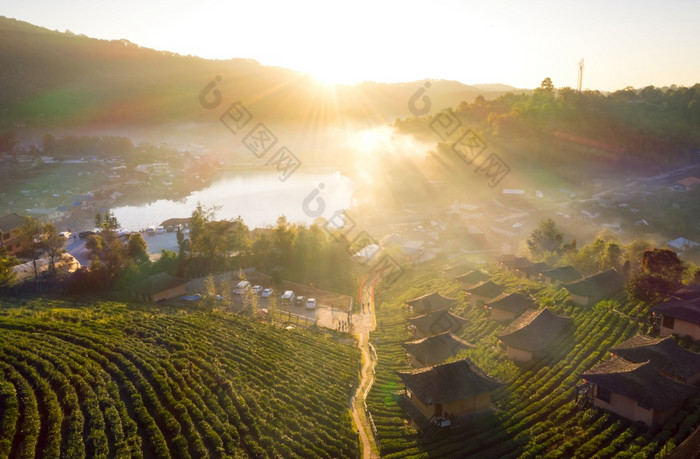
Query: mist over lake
(259, 197)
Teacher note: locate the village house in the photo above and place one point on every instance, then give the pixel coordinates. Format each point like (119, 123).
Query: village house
(430, 302)
(532, 333)
(533, 271)
(159, 287)
(686, 184)
(453, 272)
(9, 233)
(512, 263)
(484, 292)
(436, 322)
(636, 391)
(665, 356)
(472, 278)
(680, 317)
(682, 244)
(592, 289)
(435, 349)
(47, 215)
(688, 292)
(449, 390)
(508, 306)
(564, 274)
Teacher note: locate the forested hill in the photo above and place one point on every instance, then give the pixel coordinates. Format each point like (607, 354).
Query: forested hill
(629, 128)
(52, 78)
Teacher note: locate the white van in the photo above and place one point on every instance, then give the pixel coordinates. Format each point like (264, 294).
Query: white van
(241, 287)
(288, 297)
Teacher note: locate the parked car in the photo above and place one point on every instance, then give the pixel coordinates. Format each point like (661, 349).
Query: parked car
(85, 234)
(170, 229)
(267, 292)
(288, 297)
(257, 288)
(241, 287)
(160, 230)
(151, 230)
(65, 234)
(300, 300)
(311, 303)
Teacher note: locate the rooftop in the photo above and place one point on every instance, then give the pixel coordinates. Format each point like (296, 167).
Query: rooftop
(473, 277)
(487, 289)
(10, 221)
(430, 302)
(563, 274)
(686, 310)
(664, 355)
(448, 382)
(511, 302)
(157, 283)
(534, 330)
(435, 349)
(598, 285)
(639, 382)
(437, 322)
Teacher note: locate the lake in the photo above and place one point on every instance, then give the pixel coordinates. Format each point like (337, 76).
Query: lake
(259, 197)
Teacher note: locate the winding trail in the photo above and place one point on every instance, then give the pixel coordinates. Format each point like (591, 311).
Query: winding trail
(366, 324)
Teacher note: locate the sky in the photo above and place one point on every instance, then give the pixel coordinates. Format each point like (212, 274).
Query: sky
(623, 43)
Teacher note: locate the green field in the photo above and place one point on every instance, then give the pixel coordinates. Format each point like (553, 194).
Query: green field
(536, 412)
(111, 380)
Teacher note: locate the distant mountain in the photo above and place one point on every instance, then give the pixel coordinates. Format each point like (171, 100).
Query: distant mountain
(52, 78)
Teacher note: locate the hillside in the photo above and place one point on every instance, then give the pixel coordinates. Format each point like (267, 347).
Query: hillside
(52, 78)
(109, 380)
(535, 413)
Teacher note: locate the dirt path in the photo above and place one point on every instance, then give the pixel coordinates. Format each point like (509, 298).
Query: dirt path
(369, 359)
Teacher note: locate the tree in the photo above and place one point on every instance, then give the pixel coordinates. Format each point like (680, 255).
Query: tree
(664, 263)
(272, 308)
(612, 256)
(54, 244)
(659, 276)
(108, 250)
(137, 249)
(545, 238)
(634, 253)
(7, 276)
(30, 237)
(209, 291)
(250, 298)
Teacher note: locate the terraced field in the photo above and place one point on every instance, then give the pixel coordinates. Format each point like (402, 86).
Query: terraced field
(536, 412)
(107, 380)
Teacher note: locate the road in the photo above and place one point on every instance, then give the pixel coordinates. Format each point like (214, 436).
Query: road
(369, 360)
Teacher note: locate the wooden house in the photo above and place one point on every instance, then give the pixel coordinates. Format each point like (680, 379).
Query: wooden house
(436, 322)
(665, 356)
(458, 270)
(531, 334)
(484, 291)
(636, 391)
(430, 302)
(451, 390)
(9, 233)
(532, 271)
(592, 289)
(508, 306)
(472, 278)
(680, 317)
(435, 349)
(564, 274)
(513, 264)
(159, 287)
